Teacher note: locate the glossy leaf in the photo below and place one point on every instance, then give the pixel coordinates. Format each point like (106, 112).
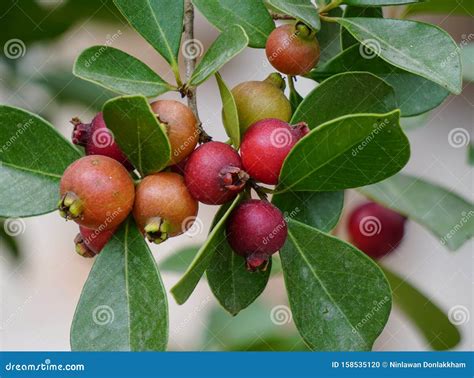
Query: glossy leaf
(302, 10)
(116, 70)
(252, 330)
(179, 260)
(229, 43)
(230, 116)
(444, 213)
(9, 242)
(160, 22)
(377, 3)
(432, 322)
(138, 133)
(339, 298)
(33, 157)
(123, 305)
(415, 94)
(467, 54)
(347, 40)
(320, 210)
(295, 97)
(250, 14)
(420, 48)
(186, 285)
(448, 7)
(231, 283)
(347, 152)
(343, 94)
(328, 37)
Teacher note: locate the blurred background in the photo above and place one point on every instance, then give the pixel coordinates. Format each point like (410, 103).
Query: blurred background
(41, 276)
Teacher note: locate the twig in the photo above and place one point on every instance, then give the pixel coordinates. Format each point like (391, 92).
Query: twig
(279, 16)
(190, 64)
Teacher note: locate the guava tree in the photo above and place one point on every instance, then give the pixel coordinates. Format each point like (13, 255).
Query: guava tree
(344, 134)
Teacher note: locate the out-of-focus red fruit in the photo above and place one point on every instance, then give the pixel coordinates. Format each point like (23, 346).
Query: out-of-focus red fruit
(375, 229)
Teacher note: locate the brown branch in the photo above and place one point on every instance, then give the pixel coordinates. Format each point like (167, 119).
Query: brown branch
(190, 64)
(279, 16)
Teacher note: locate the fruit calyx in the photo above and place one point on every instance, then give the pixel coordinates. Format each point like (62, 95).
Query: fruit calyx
(303, 31)
(70, 206)
(81, 132)
(257, 262)
(81, 247)
(276, 79)
(157, 230)
(233, 178)
(300, 129)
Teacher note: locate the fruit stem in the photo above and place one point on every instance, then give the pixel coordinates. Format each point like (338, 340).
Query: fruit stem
(279, 16)
(277, 80)
(190, 64)
(333, 4)
(157, 230)
(261, 191)
(70, 206)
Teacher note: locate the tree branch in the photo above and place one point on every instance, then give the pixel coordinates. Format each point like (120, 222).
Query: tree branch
(190, 64)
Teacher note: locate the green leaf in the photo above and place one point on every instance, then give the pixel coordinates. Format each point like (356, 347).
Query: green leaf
(186, 285)
(377, 3)
(339, 297)
(250, 14)
(420, 48)
(467, 55)
(160, 22)
(231, 283)
(229, 43)
(328, 37)
(138, 133)
(444, 213)
(67, 88)
(8, 242)
(432, 322)
(415, 94)
(116, 70)
(347, 152)
(302, 10)
(295, 97)
(123, 305)
(253, 330)
(470, 154)
(33, 157)
(320, 210)
(343, 94)
(347, 40)
(449, 7)
(230, 115)
(179, 260)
